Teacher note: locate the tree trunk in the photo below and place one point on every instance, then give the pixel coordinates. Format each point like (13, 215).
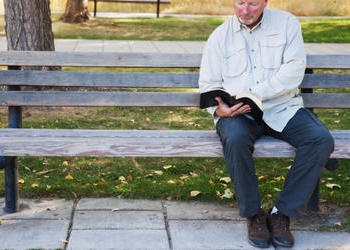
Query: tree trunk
(76, 11)
(29, 25)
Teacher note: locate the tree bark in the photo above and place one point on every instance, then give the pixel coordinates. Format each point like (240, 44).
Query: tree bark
(29, 25)
(76, 11)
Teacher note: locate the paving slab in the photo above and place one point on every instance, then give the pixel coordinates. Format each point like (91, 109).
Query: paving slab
(200, 211)
(38, 224)
(108, 220)
(117, 204)
(118, 239)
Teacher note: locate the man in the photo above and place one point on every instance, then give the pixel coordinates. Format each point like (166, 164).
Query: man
(261, 51)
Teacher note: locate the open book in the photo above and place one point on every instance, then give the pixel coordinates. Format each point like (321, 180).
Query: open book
(207, 99)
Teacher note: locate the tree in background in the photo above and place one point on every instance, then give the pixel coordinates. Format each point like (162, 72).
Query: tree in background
(76, 11)
(29, 25)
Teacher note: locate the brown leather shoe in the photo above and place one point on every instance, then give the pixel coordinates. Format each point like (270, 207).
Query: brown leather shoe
(279, 227)
(258, 232)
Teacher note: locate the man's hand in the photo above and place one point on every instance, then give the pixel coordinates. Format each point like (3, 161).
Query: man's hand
(223, 110)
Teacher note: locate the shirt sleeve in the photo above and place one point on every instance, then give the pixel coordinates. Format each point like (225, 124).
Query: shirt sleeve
(291, 72)
(210, 75)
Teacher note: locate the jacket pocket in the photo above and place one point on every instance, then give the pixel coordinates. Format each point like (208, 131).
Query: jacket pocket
(272, 52)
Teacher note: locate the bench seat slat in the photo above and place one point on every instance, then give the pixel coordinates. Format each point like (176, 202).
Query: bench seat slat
(150, 143)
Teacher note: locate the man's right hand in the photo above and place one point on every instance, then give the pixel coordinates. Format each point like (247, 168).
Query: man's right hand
(223, 110)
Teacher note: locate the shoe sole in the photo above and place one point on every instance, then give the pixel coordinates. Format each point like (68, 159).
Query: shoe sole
(259, 246)
(277, 243)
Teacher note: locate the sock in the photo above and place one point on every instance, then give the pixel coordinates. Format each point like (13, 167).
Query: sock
(274, 210)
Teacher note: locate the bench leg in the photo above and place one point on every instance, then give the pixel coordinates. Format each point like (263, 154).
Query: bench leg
(158, 8)
(11, 185)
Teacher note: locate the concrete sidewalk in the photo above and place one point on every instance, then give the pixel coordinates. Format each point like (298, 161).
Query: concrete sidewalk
(166, 46)
(112, 223)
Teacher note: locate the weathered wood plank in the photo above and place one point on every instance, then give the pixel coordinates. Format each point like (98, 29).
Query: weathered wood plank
(98, 79)
(151, 143)
(139, 99)
(98, 99)
(328, 61)
(326, 81)
(140, 79)
(328, 100)
(119, 59)
(98, 59)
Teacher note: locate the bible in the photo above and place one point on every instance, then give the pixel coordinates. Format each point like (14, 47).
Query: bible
(207, 99)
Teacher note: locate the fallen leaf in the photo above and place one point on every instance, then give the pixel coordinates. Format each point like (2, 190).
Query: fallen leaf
(21, 181)
(167, 167)
(65, 163)
(262, 177)
(225, 179)
(277, 189)
(158, 172)
(69, 177)
(35, 185)
(332, 185)
(115, 209)
(64, 241)
(338, 224)
(195, 193)
(171, 182)
(227, 194)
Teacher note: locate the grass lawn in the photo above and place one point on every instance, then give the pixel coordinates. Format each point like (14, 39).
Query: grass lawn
(161, 178)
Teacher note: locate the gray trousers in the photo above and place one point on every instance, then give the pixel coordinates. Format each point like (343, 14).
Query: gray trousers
(304, 131)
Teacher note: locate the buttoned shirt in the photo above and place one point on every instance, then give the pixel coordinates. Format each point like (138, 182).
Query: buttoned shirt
(268, 61)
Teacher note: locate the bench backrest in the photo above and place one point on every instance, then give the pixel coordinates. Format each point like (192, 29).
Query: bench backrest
(109, 88)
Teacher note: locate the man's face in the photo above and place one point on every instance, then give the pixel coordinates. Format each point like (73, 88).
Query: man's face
(249, 11)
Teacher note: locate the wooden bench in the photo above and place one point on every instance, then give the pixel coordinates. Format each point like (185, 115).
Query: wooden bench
(101, 89)
(158, 2)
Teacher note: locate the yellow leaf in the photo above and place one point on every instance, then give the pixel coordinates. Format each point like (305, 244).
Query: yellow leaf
(121, 178)
(332, 185)
(21, 181)
(64, 241)
(167, 167)
(277, 189)
(69, 177)
(35, 185)
(65, 163)
(184, 176)
(171, 182)
(180, 182)
(158, 172)
(195, 193)
(225, 179)
(262, 177)
(227, 194)
(331, 194)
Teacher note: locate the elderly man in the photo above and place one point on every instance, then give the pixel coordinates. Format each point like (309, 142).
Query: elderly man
(260, 51)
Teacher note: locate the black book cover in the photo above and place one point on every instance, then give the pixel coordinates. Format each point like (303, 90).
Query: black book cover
(207, 99)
